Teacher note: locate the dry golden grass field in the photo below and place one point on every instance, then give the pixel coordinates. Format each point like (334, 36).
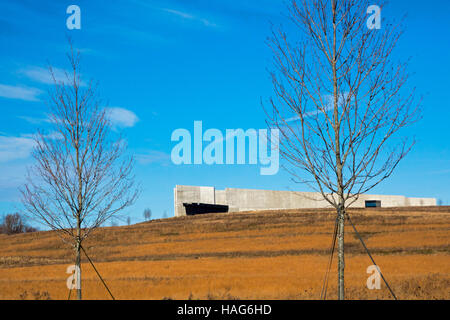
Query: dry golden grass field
(258, 255)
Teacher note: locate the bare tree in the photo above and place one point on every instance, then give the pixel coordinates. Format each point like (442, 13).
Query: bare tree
(339, 102)
(147, 214)
(81, 176)
(14, 223)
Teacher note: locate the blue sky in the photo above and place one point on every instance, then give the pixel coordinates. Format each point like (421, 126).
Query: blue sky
(165, 64)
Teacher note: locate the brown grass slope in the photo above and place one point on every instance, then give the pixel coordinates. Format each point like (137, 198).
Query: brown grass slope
(252, 255)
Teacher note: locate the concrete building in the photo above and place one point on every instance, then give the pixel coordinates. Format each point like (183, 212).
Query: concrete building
(234, 200)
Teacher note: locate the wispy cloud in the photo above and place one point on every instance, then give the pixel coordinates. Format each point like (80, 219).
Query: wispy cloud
(309, 114)
(153, 156)
(43, 75)
(54, 135)
(35, 120)
(19, 92)
(13, 175)
(119, 118)
(189, 16)
(13, 148)
(20, 147)
(328, 101)
(180, 13)
(122, 118)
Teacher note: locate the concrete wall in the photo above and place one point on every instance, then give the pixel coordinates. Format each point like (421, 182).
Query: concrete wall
(247, 199)
(244, 199)
(191, 194)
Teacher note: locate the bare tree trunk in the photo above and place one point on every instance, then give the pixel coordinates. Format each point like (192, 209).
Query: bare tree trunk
(78, 259)
(339, 165)
(78, 270)
(341, 259)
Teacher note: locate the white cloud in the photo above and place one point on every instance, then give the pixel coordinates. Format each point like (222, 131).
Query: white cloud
(13, 176)
(13, 148)
(35, 120)
(52, 135)
(153, 156)
(121, 117)
(55, 136)
(188, 16)
(328, 100)
(18, 92)
(310, 114)
(180, 13)
(43, 75)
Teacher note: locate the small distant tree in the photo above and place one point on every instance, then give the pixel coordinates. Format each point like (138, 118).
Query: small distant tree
(440, 202)
(147, 214)
(128, 221)
(82, 179)
(14, 224)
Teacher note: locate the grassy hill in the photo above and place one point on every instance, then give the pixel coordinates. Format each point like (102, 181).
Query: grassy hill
(254, 255)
